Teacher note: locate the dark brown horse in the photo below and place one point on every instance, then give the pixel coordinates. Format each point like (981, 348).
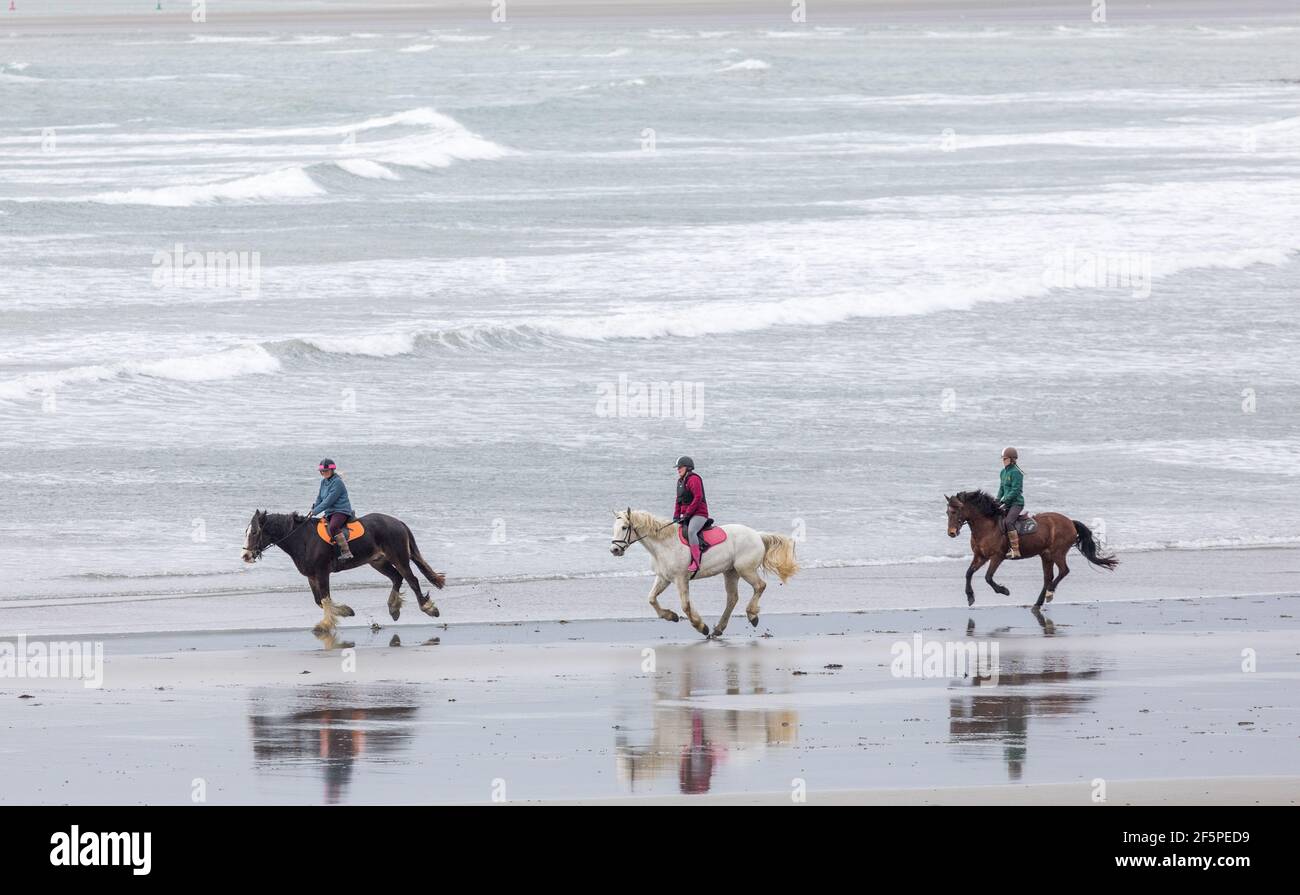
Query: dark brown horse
(1055, 536)
(387, 546)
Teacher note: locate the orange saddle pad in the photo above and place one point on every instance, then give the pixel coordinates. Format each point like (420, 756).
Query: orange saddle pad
(355, 530)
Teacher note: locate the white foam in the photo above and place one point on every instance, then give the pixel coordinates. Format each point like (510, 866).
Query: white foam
(374, 345)
(361, 167)
(242, 360)
(418, 48)
(288, 183)
(312, 39)
(231, 38)
(747, 65)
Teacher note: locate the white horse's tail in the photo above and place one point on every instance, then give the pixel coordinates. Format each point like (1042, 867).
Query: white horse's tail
(779, 555)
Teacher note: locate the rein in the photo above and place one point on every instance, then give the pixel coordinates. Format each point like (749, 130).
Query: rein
(276, 543)
(624, 543)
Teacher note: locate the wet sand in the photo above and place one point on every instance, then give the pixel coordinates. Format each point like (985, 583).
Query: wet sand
(1164, 574)
(1149, 697)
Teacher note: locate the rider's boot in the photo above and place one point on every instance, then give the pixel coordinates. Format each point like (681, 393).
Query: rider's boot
(1015, 544)
(342, 540)
(695, 561)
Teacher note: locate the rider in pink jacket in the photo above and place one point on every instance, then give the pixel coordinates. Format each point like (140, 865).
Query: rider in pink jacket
(691, 509)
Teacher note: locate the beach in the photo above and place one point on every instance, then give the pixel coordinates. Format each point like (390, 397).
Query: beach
(1150, 698)
(504, 268)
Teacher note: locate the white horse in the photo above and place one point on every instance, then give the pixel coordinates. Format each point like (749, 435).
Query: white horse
(741, 555)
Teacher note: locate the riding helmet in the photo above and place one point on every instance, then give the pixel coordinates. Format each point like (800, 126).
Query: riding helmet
(327, 463)
(685, 461)
(1010, 452)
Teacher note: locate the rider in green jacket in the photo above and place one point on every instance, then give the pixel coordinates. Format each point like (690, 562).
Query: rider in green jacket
(1011, 497)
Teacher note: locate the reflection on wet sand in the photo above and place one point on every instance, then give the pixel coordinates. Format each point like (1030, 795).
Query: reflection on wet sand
(691, 743)
(1028, 685)
(331, 727)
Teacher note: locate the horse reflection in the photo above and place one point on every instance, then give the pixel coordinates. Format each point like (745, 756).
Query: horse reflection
(333, 728)
(691, 743)
(1000, 714)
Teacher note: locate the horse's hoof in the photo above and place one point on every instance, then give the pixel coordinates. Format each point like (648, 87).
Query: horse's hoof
(970, 601)
(322, 630)
(717, 632)
(1048, 596)
(672, 617)
(429, 609)
(753, 620)
(395, 613)
(344, 610)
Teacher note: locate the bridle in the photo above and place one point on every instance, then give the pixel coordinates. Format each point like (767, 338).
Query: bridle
(623, 543)
(961, 520)
(257, 554)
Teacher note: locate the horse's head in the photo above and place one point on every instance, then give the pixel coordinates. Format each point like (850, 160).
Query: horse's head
(625, 534)
(255, 539)
(956, 515)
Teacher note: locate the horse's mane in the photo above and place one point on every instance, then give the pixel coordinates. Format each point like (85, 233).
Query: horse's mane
(280, 524)
(981, 502)
(648, 525)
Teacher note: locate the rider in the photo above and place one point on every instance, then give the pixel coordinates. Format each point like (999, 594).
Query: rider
(332, 503)
(1011, 497)
(690, 509)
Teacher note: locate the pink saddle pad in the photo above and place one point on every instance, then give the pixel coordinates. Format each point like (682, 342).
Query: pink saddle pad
(710, 536)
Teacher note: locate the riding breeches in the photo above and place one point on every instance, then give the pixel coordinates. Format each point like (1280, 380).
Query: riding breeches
(693, 530)
(1013, 513)
(337, 522)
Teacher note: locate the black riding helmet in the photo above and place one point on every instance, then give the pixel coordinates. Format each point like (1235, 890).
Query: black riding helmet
(685, 461)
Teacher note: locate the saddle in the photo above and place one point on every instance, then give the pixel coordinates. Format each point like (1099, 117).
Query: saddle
(1026, 525)
(709, 536)
(355, 530)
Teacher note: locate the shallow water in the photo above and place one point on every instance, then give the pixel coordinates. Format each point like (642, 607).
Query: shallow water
(466, 237)
(1143, 691)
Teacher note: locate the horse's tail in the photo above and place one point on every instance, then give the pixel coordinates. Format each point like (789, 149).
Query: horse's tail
(778, 555)
(1088, 547)
(437, 579)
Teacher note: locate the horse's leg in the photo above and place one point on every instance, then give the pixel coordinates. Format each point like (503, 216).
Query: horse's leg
(320, 586)
(755, 581)
(1062, 571)
(1047, 577)
(655, 590)
(339, 610)
(976, 562)
(994, 562)
(390, 572)
(731, 578)
(683, 588)
(326, 624)
(401, 558)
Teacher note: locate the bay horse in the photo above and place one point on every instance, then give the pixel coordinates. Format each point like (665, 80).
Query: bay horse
(387, 545)
(741, 555)
(1055, 536)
